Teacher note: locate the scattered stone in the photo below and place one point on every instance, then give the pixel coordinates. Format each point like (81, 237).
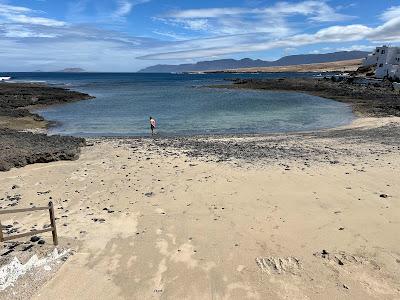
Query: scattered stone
(35, 238)
(100, 220)
(27, 247)
(43, 193)
(7, 252)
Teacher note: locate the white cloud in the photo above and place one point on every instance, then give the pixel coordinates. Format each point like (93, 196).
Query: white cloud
(390, 30)
(270, 19)
(169, 34)
(124, 7)
(316, 10)
(10, 9)
(250, 42)
(35, 42)
(34, 20)
(23, 15)
(195, 25)
(89, 48)
(343, 33)
(391, 13)
(208, 13)
(357, 47)
(20, 31)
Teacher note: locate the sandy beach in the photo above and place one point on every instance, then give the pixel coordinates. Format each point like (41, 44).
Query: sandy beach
(199, 150)
(164, 219)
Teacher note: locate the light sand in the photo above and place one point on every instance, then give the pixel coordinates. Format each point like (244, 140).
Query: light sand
(21, 123)
(336, 66)
(185, 228)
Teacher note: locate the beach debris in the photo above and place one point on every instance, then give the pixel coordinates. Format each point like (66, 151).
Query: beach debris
(15, 186)
(10, 272)
(14, 200)
(27, 247)
(100, 220)
(149, 194)
(383, 195)
(35, 239)
(279, 265)
(43, 193)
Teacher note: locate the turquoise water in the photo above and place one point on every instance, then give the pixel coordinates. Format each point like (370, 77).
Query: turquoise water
(182, 106)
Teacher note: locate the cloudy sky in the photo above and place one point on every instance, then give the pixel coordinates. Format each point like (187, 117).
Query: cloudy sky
(127, 35)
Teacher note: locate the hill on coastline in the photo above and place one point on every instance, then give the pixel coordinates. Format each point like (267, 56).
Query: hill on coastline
(72, 70)
(224, 64)
(350, 65)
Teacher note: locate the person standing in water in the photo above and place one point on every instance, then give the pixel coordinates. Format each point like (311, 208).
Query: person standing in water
(152, 125)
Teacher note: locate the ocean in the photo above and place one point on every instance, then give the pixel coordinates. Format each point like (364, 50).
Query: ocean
(182, 104)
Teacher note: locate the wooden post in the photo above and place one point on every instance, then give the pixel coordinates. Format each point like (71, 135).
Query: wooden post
(53, 223)
(1, 232)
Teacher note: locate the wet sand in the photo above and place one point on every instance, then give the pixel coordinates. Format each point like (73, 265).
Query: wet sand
(317, 218)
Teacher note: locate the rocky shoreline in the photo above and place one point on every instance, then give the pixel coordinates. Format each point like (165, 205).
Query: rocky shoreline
(342, 146)
(19, 148)
(367, 98)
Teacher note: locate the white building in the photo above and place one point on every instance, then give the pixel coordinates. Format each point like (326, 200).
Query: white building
(387, 62)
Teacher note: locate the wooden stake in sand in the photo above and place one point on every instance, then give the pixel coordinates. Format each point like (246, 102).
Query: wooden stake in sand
(52, 228)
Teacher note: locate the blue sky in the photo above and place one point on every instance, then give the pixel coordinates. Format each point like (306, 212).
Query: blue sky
(127, 35)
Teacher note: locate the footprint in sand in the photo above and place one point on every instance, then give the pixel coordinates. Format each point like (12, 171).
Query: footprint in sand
(279, 265)
(362, 270)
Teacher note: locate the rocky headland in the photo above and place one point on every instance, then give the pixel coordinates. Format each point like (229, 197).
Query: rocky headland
(368, 98)
(18, 147)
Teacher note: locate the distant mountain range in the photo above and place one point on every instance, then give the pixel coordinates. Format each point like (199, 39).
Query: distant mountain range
(224, 64)
(72, 70)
